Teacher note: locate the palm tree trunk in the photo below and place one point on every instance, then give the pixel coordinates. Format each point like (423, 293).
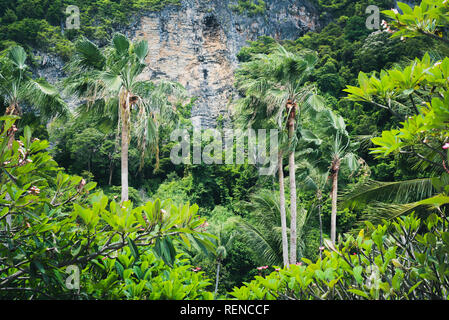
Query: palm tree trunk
(111, 171)
(282, 209)
(217, 277)
(335, 169)
(320, 198)
(292, 173)
(125, 148)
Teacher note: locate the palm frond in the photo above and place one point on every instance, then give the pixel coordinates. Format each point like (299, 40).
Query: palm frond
(378, 211)
(45, 98)
(268, 250)
(121, 44)
(395, 192)
(87, 56)
(18, 56)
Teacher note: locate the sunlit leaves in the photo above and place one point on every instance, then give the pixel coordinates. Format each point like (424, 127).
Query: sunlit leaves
(429, 17)
(57, 222)
(401, 259)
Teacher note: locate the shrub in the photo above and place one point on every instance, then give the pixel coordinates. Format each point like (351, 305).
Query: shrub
(402, 259)
(50, 221)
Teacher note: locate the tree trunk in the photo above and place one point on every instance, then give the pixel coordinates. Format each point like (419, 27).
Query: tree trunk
(111, 171)
(217, 277)
(12, 110)
(125, 147)
(320, 198)
(335, 169)
(282, 209)
(292, 173)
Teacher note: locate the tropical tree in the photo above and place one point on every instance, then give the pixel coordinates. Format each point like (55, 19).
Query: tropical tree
(340, 155)
(279, 80)
(423, 136)
(58, 221)
(110, 82)
(252, 111)
(429, 19)
(327, 146)
(22, 93)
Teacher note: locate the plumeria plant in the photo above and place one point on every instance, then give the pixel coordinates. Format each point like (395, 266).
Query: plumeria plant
(51, 222)
(400, 259)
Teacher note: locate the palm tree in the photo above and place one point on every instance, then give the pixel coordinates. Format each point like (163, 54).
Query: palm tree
(250, 114)
(314, 179)
(21, 92)
(224, 243)
(109, 81)
(325, 149)
(279, 80)
(340, 155)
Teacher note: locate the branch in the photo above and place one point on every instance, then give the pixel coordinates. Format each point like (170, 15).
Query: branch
(434, 36)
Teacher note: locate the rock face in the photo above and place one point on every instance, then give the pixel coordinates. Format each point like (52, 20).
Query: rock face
(196, 44)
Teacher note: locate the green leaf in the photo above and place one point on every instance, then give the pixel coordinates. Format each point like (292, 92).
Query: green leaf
(414, 287)
(18, 56)
(357, 271)
(121, 44)
(134, 249)
(359, 293)
(75, 250)
(119, 268)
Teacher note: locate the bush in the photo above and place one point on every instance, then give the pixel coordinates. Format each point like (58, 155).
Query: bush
(50, 222)
(402, 259)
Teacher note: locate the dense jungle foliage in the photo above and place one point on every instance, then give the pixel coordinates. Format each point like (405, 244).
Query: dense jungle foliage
(356, 210)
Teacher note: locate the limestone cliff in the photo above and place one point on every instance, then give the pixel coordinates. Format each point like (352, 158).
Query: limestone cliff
(196, 44)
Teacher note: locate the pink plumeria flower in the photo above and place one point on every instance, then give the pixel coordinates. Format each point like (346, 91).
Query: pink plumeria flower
(446, 146)
(299, 263)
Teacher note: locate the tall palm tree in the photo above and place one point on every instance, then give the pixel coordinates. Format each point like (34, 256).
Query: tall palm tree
(110, 82)
(338, 153)
(21, 93)
(279, 80)
(252, 112)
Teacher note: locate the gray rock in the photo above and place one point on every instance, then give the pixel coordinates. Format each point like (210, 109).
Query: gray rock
(197, 44)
